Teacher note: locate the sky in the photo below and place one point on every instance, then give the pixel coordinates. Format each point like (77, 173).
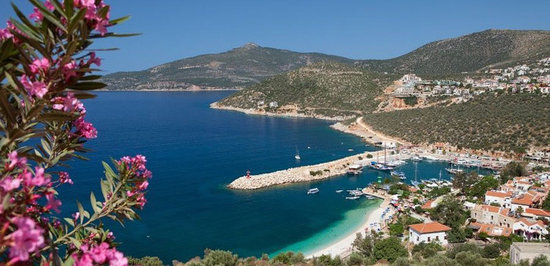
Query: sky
(358, 29)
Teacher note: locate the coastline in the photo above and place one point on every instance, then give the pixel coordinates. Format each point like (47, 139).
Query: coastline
(215, 105)
(343, 247)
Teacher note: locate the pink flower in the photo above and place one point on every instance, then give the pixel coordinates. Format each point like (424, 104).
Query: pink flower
(65, 178)
(101, 26)
(76, 215)
(49, 5)
(116, 258)
(40, 64)
(5, 34)
(10, 183)
(130, 193)
(37, 88)
(26, 239)
(68, 103)
(147, 174)
(94, 60)
(86, 129)
(143, 185)
(37, 15)
(99, 253)
(69, 70)
(39, 179)
(16, 160)
(84, 260)
(141, 200)
(53, 203)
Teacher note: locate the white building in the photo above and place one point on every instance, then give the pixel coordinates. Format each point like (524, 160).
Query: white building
(503, 199)
(428, 232)
(528, 251)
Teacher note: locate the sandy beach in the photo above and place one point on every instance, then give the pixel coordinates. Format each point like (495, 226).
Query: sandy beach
(343, 247)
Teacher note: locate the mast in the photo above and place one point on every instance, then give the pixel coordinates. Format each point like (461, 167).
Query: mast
(385, 154)
(415, 171)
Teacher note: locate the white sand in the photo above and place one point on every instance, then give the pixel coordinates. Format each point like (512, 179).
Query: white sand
(343, 247)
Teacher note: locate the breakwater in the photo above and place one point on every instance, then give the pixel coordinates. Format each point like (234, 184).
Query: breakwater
(304, 173)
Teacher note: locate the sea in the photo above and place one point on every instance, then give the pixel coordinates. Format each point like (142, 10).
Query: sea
(195, 151)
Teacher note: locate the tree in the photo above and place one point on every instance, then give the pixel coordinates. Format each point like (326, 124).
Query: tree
(396, 229)
(365, 245)
(449, 212)
(511, 170)
(546, 204)
(46, 69)
(470, 258)
(540, 260)
(356, 259)
(145, 261)
(389, 249)
(491, 251)
(482, 186)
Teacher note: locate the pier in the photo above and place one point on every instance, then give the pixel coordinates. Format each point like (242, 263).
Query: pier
(305, 173)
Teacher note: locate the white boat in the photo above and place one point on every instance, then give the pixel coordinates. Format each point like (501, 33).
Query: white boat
(354, 169)
(399, 174)
(339, 191)
(369, 197)
(313, 191)
(416, 158)
(355, 192)
(297, 156)
(353, 197)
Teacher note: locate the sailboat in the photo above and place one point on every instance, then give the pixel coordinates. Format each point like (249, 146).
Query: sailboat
(454, 171)
(297, 156)
(415, 181)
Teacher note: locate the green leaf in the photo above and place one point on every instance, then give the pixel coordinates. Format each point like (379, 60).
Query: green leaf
(119, 20)
(48, 15)
(76, 19)
(69, 221)
(80, 210)
(94, 202)
(88, 86)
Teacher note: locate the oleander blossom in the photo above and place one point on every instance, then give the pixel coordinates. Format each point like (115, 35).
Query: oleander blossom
(36, 15)
(99, 254)
(136, 167)
(34, 88)
(64, 178)
(27, 239)
(85, 129)
(40, 64)
(69, 103)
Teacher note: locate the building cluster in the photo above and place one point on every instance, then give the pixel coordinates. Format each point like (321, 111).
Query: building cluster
(514, 208)
(534, 78)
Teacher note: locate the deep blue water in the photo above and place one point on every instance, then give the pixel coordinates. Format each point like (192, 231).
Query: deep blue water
(194, 151)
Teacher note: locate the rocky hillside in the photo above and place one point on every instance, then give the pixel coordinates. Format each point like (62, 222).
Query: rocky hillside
(469, 53)
(236, 68)
(329, 89)
(512, 122)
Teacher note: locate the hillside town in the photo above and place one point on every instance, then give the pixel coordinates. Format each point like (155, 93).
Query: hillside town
(533, 78)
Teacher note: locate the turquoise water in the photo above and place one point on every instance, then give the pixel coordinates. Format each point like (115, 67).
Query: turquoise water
(195, 151)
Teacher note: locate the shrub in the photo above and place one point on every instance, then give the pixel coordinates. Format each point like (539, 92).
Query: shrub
(45, 70)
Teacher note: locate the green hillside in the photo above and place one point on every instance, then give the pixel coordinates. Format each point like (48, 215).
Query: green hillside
(507, 122)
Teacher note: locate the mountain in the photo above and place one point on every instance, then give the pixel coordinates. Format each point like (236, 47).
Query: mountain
(236, 68)
(469, 53)
(327, 88)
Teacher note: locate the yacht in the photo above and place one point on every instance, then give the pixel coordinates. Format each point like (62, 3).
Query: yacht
(399, 174)
(354, 169)
(352, 197)
(339, 191)
(416, 158)
(313, 191)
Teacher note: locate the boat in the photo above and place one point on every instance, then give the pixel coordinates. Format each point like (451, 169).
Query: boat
(297, 156)
(350, 149)
(416, 158)
(355, 192)
(354, 169)
(339, 191)
(353, 197)
(379, 166)
(399, 174)
(369, 197)
(313, 191)
(415, 183)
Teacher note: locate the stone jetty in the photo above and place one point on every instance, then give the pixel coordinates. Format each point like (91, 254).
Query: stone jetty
(302, 173)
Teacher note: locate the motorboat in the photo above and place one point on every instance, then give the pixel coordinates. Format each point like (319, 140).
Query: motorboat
(313, 191)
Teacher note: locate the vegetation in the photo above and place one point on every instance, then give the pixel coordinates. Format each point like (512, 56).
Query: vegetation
(325, 88)
(239, 67)
(513, 169)
(493, 48)
(504, 123)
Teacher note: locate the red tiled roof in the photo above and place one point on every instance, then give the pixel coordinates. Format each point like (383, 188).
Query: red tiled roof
(495, 209)
(427, 205)
(531, 222)
(525, 199)
(537, 212)
(432, 227)
(498, 194)
(490, 229)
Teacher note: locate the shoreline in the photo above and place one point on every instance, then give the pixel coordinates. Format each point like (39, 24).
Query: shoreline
(166, 90)
(215, 105)
(343, 246)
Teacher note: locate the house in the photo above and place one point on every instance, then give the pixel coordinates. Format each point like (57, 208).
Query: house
(501, 198)
(428, 233)
(430, 204)
(530, 229)
(493, 215)
(273, 105)
(528, 251)
(491, 230)
(536, 213)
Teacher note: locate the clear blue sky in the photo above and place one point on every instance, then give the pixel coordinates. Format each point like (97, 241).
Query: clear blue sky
(360, 29)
